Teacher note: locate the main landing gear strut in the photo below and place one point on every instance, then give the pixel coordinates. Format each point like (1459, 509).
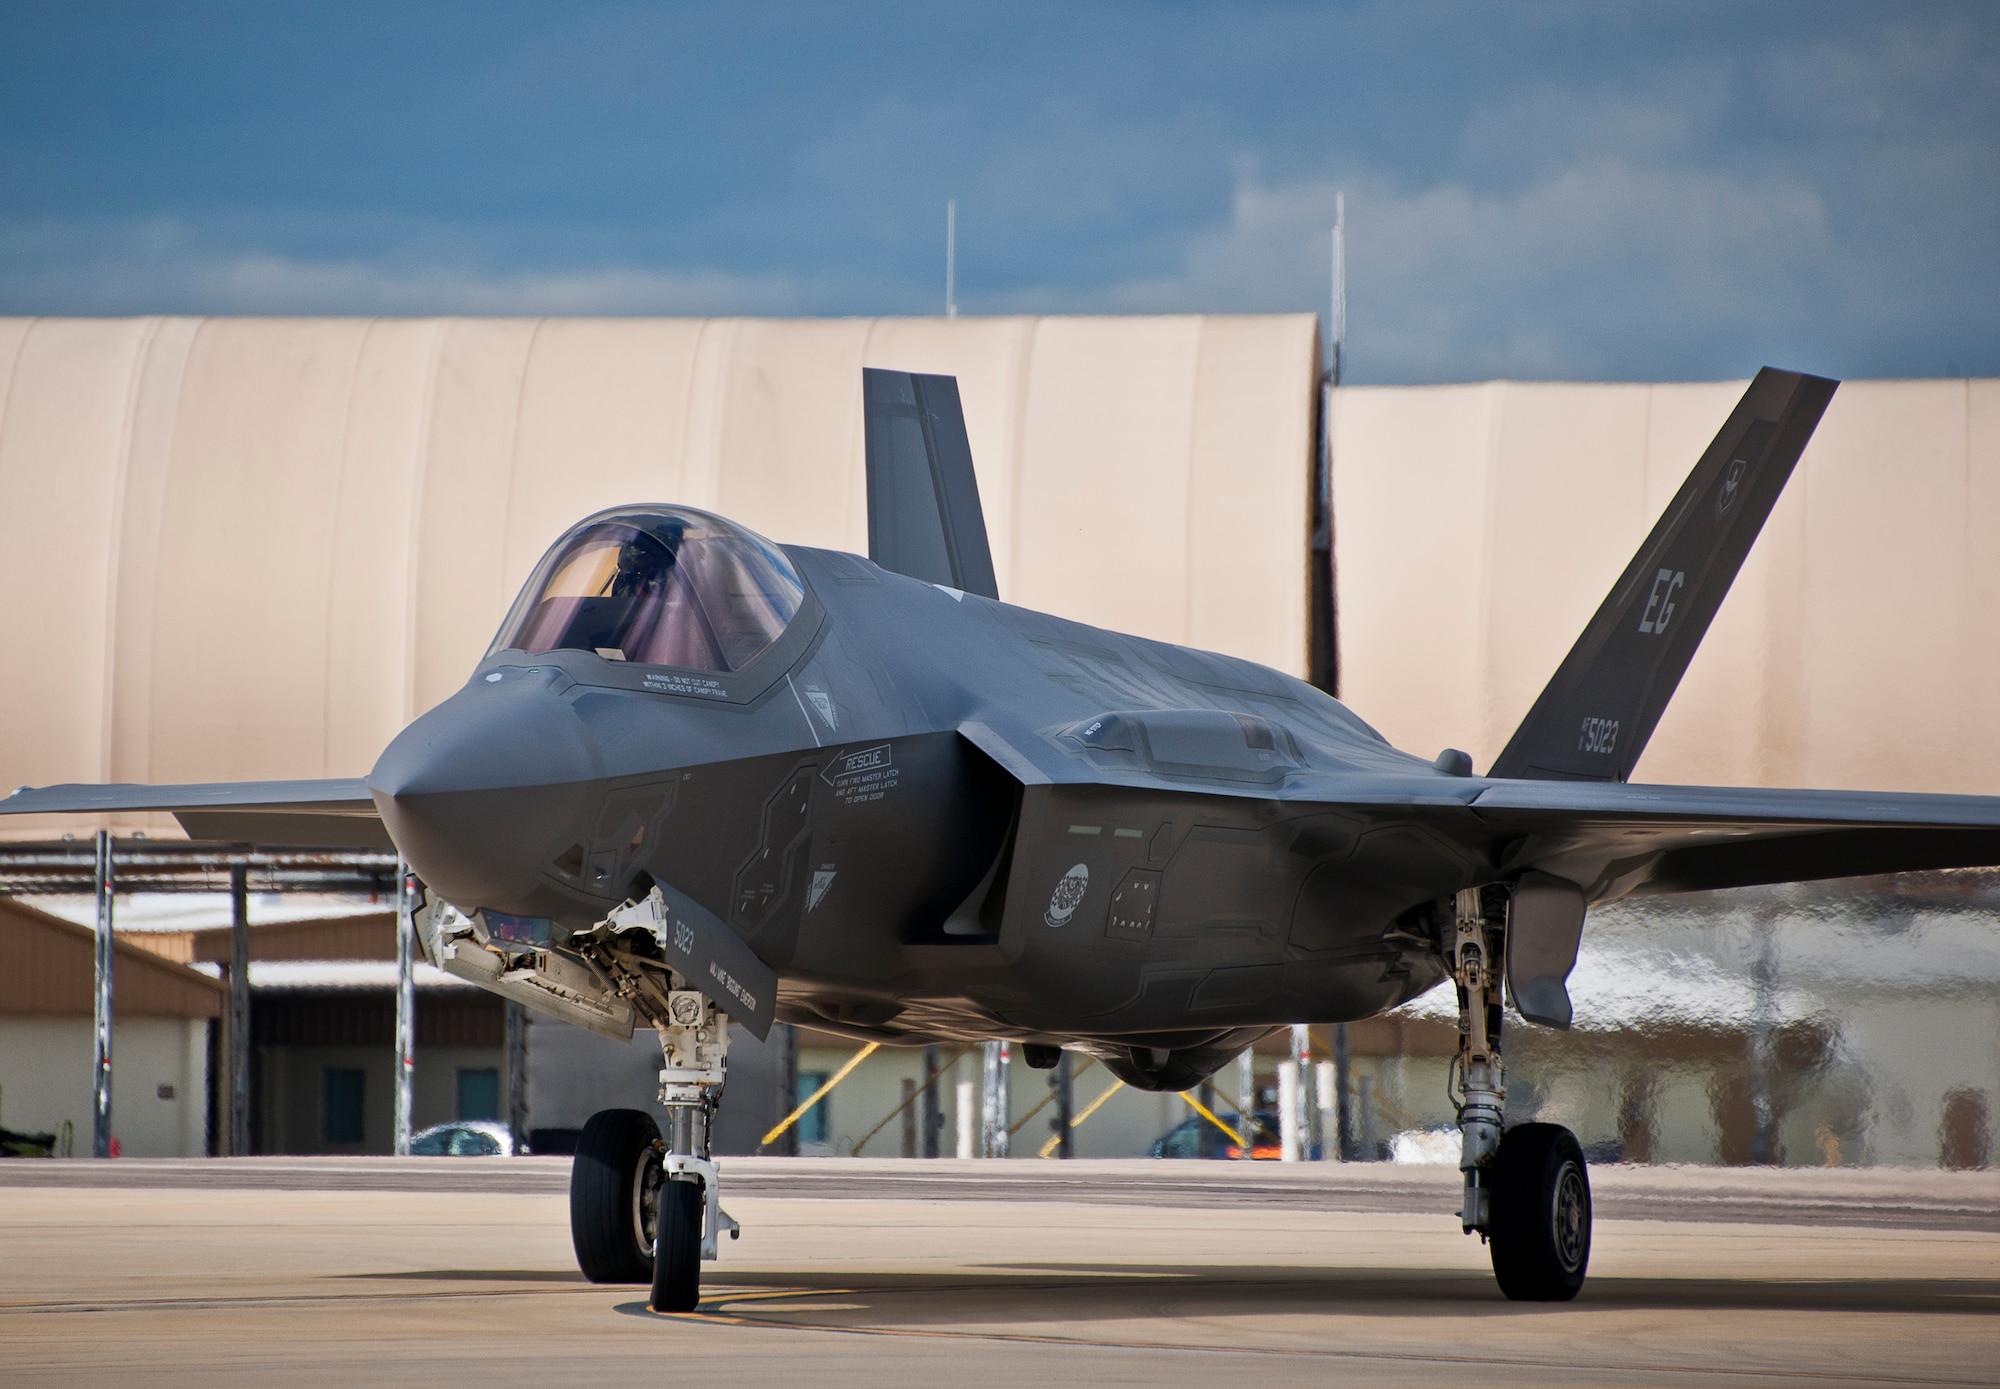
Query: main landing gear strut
(1527, 1192)
(644, 1203)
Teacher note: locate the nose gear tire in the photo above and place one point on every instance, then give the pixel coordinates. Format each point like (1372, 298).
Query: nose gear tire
(1540, 1231)
(614, 1196)
(677, 1258)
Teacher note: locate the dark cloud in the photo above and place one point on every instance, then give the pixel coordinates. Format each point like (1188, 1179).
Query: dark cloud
(1534, 189)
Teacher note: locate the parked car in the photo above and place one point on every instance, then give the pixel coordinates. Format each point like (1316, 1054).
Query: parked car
(1195, 1137)
(465, 1138)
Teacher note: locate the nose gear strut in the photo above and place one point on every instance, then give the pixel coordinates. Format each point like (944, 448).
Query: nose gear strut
(694, 1038)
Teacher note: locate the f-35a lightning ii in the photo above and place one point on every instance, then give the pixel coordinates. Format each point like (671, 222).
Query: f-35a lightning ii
(700, 776)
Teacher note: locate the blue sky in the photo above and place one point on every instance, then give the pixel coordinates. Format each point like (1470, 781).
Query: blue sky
(1550, 189)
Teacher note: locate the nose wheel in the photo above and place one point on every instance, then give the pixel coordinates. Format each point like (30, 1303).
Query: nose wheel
(677, 1250)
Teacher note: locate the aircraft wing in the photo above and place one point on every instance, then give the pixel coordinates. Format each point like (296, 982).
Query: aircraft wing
(332, 814)
(1617, 839)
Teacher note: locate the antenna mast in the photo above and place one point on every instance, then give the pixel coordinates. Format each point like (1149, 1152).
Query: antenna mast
(951, 258)
(1338, 324)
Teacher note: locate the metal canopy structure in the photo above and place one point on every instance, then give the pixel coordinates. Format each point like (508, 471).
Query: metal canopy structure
(106, 869)
(69, 867)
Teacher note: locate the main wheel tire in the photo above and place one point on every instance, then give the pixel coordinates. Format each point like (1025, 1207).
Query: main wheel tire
(1539, 1232)
(614, 1196)
(677, 1256)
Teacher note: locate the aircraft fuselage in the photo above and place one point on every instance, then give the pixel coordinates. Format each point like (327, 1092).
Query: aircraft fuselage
(939, 816)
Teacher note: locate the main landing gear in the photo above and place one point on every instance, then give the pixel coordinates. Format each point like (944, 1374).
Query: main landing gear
(1527, 1191)
(644, 1203)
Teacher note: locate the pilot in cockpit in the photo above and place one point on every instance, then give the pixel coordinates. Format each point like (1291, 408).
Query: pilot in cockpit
(643, 563)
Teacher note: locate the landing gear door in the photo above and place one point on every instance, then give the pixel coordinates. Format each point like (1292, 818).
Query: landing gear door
(1544, 928)
(700, 947)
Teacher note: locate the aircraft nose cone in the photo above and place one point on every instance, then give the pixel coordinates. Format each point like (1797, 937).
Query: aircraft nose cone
(482, 792)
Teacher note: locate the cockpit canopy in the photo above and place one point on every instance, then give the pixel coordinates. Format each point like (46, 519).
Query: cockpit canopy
(657, 585)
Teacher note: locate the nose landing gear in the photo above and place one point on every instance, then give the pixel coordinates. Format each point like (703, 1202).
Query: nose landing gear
(1527, 1190)
(644, 1204)
(693, 1039)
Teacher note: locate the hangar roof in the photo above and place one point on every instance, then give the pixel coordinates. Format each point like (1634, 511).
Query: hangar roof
(51, 968)
(1477, 528)
(256, 548)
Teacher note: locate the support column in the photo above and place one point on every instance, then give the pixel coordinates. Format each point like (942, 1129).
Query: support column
(100, 1119)
(517, 1075)
(1003, 1101)
(1246, 1100)
(993, 1108)
(1064, 1082)
(1302, 1059)
(406, 1009)
(1290, 1091)
(968, 1119)
(1329, 1119)
(1763, 1044)
(239, 1010)
(933, 1126)
(786, 1038)
(910, 1146)
(1343, 1087)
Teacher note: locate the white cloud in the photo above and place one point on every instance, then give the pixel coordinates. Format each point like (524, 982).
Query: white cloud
(1533, 281)
(166, 267)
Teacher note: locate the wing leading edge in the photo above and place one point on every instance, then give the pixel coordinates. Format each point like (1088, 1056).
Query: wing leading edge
(331, 814)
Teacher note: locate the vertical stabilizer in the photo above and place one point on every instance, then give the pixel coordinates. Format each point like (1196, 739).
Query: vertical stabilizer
(924, 518)
(1593, 720)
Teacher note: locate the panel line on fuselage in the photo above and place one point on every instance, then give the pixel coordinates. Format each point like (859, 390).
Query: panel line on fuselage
(803, 712)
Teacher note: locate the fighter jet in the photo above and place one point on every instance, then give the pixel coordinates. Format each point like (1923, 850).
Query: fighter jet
(701, 776)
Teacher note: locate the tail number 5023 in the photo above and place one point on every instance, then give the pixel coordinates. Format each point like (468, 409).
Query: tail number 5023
(1598, 736)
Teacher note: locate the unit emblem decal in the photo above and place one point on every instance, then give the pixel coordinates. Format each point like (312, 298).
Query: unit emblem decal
(1730, 482)
(1068, 896)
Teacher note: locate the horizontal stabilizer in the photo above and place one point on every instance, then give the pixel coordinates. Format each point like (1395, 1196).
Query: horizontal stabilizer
(1606, 698)
(1617, 840)
(924, 518)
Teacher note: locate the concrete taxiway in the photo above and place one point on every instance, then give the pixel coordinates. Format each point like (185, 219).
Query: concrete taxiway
(308, 1271)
